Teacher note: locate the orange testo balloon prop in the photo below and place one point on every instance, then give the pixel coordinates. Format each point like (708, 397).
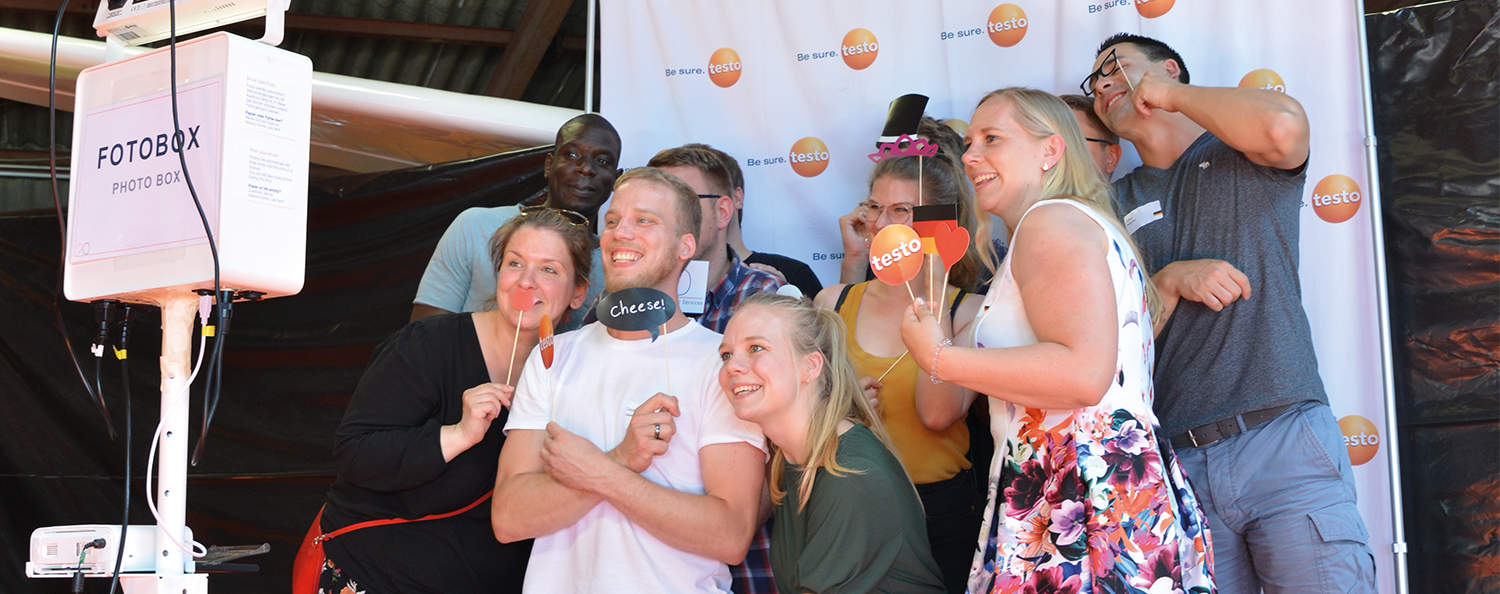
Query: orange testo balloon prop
(896, 254)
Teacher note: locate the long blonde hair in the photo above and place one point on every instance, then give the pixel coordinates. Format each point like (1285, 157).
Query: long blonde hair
(811, 329)
(1075, 177)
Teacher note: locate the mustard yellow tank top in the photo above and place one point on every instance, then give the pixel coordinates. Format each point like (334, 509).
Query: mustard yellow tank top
(929, 456)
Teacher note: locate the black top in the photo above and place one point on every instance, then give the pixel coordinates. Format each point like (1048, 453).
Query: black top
(390, 465)
(795, 271)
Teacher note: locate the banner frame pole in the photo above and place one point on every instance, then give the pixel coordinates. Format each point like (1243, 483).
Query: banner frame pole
(1382, 303)
(588, 57)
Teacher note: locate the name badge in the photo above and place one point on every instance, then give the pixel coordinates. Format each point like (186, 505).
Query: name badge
(1146, 214)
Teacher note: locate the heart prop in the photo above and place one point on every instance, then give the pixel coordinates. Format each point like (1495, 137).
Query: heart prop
(634, 310)
(896, 254)
(522, 299)
(544, 335)
(952, 244)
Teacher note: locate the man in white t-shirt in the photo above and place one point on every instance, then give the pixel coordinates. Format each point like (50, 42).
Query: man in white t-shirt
(674, 499)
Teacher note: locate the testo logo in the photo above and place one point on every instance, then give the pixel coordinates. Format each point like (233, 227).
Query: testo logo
(859, 49)
(1153, 8)
(724, 67)
(1336, 198)
(1007, 25)
(1265, 78)
(808, 157)
(1360, 437)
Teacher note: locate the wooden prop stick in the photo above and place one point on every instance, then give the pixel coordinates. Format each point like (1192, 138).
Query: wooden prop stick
(893, 366)
(668, 359)
(512, 366)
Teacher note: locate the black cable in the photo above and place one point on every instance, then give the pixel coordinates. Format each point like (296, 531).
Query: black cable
(123, 354)
(213, 247)
(97, 543)
(62, 229)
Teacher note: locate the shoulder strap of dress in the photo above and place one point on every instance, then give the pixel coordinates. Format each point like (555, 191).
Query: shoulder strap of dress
(958, 299)
(844, 294)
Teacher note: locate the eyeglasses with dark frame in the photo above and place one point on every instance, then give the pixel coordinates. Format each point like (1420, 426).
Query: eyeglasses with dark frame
(572, 217)
(1099, 140)
(707, 196)
(1107, 68)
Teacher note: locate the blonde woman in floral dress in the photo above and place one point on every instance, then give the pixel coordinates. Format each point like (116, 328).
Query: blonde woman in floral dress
(1083, 497)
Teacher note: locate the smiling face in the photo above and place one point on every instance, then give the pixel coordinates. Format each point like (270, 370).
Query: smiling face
(537, 260)
(582, 169)
(895, 197)
(1111, 93)
(640, 246)
(1003, 160)
(762, 375)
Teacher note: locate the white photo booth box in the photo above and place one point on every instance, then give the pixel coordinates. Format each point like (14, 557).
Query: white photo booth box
(133, 231)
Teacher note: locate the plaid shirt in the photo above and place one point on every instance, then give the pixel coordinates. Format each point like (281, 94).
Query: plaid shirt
(739, 283)
(753, 576)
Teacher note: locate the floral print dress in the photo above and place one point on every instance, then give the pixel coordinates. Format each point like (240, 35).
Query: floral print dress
(1087, 500)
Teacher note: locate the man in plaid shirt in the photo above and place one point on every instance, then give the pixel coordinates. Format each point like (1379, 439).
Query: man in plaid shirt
(732, 281)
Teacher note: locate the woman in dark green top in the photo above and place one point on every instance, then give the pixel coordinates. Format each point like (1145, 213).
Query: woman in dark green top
(852, 522)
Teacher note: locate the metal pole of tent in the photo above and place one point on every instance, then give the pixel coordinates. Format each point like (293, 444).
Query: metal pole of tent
(1382, 304)
(588, 59)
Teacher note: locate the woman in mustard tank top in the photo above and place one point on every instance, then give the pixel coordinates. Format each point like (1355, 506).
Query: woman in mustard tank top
(926, 421)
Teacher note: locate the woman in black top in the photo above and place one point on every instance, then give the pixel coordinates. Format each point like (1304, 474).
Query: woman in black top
(422, 433)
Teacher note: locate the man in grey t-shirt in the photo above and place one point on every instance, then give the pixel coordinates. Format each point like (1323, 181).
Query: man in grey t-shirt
(1216, 208)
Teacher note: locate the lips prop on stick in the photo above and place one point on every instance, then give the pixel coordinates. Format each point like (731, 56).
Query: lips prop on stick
(523, 300)
(639, 309)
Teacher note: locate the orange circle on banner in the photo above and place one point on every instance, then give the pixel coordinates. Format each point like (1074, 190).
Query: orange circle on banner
(1360, 437)
(724, 67)
(808, 157)
(859, 49)
(1336, 198)
(959, 126)
(1153, 8)
(1265, 78)
(1007, 25)
(896, 254)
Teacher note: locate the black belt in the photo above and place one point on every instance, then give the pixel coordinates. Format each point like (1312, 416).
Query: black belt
(1225, 428)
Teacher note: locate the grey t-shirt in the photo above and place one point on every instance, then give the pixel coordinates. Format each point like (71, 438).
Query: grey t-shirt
(1257, 353)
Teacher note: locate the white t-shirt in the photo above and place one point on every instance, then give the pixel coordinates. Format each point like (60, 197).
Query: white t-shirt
(592, 389)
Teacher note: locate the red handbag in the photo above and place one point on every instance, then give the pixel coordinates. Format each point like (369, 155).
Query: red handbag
(308, 567)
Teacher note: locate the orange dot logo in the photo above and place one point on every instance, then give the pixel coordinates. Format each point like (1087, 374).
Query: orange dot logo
(859, 49)
(1361, 437)
(724, 67)
(896, 254)
(1265, 78)
(959, 126)
(1153, 8)
(1007, 25)
(809, 157)
(1336, 198)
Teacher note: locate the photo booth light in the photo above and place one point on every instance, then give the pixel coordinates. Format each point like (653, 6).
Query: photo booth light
(136, 22)
(134, 233)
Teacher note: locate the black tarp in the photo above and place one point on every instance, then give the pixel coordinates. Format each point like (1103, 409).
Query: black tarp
(290, 366)
(1437, 125)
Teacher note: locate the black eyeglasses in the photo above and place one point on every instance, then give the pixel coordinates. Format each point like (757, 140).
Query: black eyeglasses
(1108, 67)
(573, 218)
(1098, 140)
(710, 195)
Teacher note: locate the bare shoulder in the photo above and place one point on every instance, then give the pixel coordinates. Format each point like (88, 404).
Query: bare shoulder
(1054, 235)
(829, 296)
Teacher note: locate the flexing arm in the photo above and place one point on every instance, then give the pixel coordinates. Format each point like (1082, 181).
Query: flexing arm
(717, 524)
(1271, 128)
(1064, 281)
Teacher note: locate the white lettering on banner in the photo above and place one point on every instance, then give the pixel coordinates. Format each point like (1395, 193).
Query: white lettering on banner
(1363, 439)
(1007, 25)
(860, 48)
(1344, 197)
(809, 157)
(722, 68)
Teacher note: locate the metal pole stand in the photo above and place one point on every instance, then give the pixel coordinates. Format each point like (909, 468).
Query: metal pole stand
(174, 567)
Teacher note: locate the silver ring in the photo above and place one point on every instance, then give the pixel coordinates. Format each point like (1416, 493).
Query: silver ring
(658, 431)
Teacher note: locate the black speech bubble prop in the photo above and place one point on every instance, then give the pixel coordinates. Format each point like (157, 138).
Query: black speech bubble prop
(634, 310)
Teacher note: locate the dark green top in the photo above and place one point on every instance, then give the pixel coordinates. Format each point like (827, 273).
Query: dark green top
(859, 532)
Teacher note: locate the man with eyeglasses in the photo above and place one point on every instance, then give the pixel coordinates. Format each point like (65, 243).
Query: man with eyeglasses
(580, 171)
(1104, 146)
(1236, 379)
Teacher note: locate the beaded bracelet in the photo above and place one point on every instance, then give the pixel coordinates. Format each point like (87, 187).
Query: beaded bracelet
(935, 352)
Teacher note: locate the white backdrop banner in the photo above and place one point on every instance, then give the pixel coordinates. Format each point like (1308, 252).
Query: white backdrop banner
(797, 92)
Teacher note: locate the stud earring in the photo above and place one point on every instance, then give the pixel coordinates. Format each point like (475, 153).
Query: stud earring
(1044, 166)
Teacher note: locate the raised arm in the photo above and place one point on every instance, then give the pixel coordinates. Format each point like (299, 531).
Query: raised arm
(1059, 267)
(1271, 128)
